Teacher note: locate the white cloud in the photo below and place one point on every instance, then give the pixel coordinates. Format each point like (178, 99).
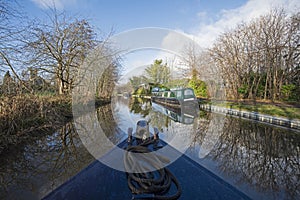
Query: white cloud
(228, 19)
(174, 41)
(135, 62)
(202, 14)
(58, 4)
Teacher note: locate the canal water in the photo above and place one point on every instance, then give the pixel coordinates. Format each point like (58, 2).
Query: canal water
(258, 159)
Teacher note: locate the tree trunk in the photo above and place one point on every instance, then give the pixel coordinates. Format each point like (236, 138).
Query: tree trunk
(60, 84)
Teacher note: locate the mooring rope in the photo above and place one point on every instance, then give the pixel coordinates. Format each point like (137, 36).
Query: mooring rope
(155, 183)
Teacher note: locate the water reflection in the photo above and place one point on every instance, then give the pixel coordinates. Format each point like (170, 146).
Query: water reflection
(140, 106)
(259, 159)
(185, 115)
(37, 167)
(33, 170)
(263, 156)
(109, 126)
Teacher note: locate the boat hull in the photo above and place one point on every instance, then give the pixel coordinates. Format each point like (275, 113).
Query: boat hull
(99, 181)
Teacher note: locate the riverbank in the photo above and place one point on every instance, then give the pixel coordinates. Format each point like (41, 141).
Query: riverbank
(289, 110)
(23, 116)
(270, 119)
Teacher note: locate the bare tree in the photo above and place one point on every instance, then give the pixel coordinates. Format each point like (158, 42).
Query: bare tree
(201, 67)
(60, 47)
(11, 38)
(259, 58)
(191, 60)
(107, 81)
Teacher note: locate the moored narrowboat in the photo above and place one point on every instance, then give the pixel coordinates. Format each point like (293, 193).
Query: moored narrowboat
(175, 97)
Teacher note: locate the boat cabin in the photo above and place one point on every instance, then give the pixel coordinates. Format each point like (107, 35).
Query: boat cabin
(174, 96)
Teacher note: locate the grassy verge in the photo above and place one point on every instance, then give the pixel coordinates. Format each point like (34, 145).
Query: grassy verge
(278, 109)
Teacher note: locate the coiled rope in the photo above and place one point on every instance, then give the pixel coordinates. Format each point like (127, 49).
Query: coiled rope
(145, 180)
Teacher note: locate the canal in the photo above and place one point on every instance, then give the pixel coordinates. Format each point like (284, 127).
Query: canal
(258, 159)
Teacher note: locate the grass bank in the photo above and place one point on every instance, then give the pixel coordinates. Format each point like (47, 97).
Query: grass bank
(278, 109)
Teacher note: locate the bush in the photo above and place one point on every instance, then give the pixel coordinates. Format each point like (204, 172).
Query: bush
(243, 90)
(290, 92)
(199, 87)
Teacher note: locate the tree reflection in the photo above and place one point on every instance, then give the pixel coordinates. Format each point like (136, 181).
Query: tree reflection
(108, 124)
(159, 120)
(264, 159)
(202, 128)
(264, 156)
(140, 105)
(35, 169)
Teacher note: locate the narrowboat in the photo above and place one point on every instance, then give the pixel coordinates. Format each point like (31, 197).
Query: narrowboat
(174, 97)
(145, 175)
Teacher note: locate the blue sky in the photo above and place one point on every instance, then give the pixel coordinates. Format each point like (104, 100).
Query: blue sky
(203, 20)
(127, 14)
